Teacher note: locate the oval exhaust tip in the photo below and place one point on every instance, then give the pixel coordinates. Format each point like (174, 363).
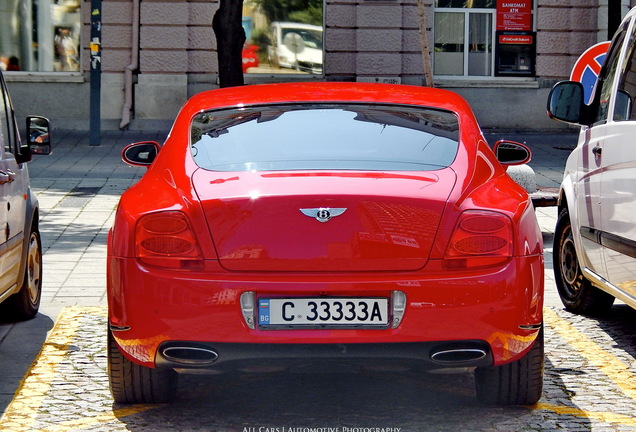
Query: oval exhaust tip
(458, 355)
(192, 356)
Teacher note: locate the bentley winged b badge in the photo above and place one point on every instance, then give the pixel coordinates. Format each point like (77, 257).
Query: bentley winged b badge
(323, 214)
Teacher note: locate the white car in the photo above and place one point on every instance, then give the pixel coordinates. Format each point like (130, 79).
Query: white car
(20, 245)
(595, 235)
(296, 46)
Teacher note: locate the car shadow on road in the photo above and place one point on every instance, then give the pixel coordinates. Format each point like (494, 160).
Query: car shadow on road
(20, 344)
(327, 401)
(620, 325)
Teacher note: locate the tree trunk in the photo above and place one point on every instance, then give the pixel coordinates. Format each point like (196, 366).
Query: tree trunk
(230, 37)
(426, 54)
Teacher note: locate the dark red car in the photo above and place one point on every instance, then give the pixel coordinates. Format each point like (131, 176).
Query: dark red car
(249, 57)
(292, 223)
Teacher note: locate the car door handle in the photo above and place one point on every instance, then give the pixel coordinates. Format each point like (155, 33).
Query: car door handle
(598, 150)
(6, 177)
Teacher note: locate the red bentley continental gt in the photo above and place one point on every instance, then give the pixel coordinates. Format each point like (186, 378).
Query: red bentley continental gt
(287, 224)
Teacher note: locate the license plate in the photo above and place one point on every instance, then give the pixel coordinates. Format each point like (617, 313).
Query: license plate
(323, 312)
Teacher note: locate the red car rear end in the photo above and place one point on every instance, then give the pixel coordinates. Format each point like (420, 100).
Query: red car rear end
(284, 224)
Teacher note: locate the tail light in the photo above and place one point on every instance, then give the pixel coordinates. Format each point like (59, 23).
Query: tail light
(166, 239)
(480, 239)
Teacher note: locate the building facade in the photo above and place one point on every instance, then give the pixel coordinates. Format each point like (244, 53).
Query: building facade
(503, 56)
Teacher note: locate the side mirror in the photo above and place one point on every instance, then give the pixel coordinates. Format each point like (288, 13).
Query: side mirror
(565, 102)
(141, 153)
(512, 153)
(39, 135)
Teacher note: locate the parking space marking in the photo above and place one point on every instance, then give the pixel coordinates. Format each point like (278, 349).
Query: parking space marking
(612, 367)
(606, 417)
(89, 423)
(21, 413)
(22, 410)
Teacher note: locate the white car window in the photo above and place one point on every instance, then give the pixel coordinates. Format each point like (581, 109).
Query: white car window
(607, 77)
(626, 92)
(5, 140)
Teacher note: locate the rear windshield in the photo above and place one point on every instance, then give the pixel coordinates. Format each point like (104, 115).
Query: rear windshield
(325, 137)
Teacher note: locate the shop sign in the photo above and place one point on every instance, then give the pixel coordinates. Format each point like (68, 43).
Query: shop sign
(514, 15)
(516, 39)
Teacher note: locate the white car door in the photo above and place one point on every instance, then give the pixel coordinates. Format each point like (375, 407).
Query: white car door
(617, 157)
(12, 198)
(587, 195)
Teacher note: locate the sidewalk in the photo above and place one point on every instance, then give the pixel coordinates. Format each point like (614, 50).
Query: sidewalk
(549, 152)
(78, 187)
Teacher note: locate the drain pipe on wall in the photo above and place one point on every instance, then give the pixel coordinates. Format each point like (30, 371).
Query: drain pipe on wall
(131, 68)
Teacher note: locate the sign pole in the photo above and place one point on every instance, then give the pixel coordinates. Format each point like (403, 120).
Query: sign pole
(96, 72)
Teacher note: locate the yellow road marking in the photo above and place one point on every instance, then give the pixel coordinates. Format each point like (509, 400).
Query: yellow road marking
(24, 407)
(595, 415)
(89, 423)
(22, 412)
(612, 367)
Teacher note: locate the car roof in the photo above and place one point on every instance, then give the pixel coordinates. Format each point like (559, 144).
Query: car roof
(324, 92)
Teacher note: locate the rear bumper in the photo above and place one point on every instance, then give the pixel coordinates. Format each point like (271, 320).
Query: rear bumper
(498, 308)
(191, 356)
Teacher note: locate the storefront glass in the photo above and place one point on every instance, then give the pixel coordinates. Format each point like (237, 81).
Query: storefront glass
(40, 35)
(463, 42)
(449, 43)
(283, 37)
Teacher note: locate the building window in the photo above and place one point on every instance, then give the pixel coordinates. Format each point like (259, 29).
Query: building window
(40, 35)
(283, 37)
(464, 35)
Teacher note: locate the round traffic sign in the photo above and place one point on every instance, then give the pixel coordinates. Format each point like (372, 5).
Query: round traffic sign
(588, 67)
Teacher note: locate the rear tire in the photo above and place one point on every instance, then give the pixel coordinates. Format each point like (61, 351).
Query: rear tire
(132, 383)
(577, 294)
(516, 383)
(25, 304)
